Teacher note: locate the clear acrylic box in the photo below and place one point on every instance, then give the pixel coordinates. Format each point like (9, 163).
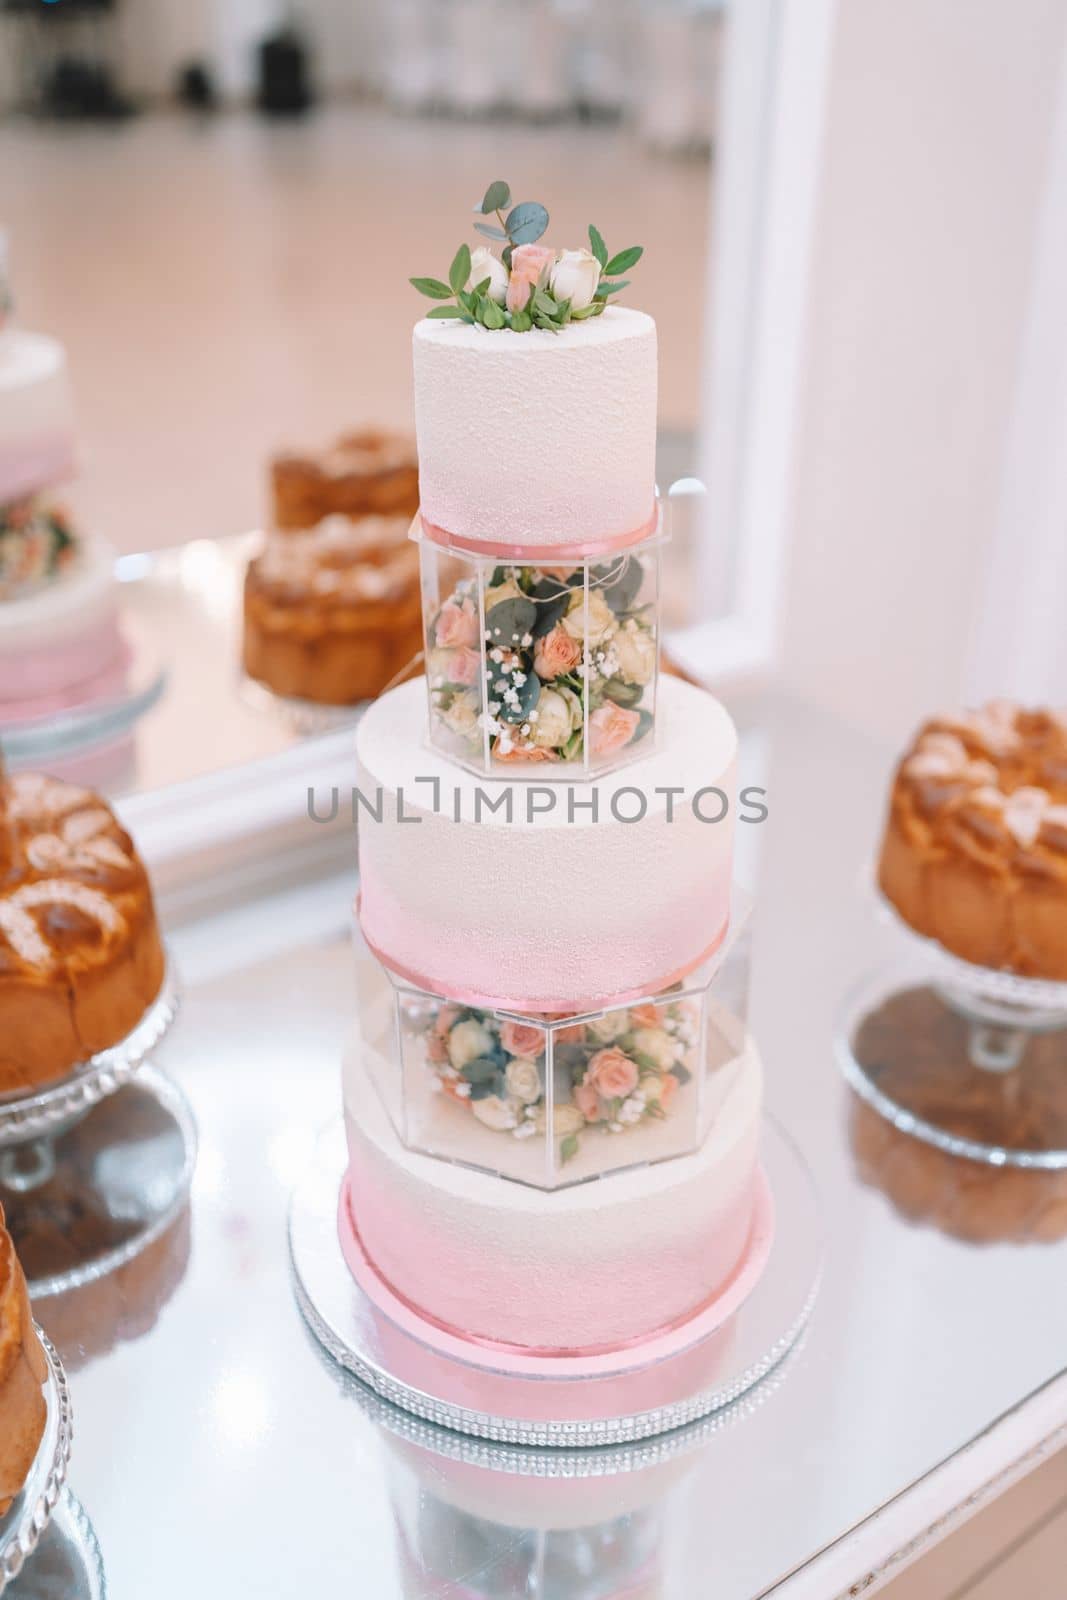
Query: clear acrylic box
(556, 1100)
(541, 671)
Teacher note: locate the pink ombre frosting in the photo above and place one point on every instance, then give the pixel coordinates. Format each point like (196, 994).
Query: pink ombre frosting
(547, 913)
(593, 1265)
(60, 644)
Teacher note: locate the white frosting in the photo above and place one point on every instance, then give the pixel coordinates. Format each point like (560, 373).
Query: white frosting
(598, 1262)
(537, 437)
(83, 599)
(546, 907)
(36, 414)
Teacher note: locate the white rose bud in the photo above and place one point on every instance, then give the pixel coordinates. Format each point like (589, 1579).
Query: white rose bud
(484, 264)
(657, 1045)
(566, 1118)
(462, 716)
(635, 651)
(612, 1025)
(559, 713)
(494, 1112)
(575, 276)
(600, 623)
(467, 1041)
(523, 1080)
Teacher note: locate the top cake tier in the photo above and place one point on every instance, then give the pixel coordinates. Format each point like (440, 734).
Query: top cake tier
(538, 440)
(36, 415)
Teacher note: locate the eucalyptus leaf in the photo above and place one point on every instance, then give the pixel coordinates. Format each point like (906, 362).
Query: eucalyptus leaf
(433, 288)
(568, 1148)
(622, 694)
(453, 313)
(620, 580)
(460, 270)
(554, 600)
(644, 725)
(490, 230)
(510, 620)
(526, 222)
(482, 1091)
(528, 694)
(624, 261)
(481, 1070)
(505, 256)
(683, 1074)
(496, 197)
(598, 247)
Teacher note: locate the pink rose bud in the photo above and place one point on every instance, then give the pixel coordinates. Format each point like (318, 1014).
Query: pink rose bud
(529, 264)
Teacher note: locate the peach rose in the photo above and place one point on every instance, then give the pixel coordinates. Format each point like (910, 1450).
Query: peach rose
(456, 625)
(575, 1034)
(522, 1039)
(668, 1086)
(561, 574)
(523, 752)
(612, 1073)
(646, 1016)
(436, 1050)
(611, 727)
(444, 1019)
(529, 264)
(588, 1102)
(556, 653)
(463, 666)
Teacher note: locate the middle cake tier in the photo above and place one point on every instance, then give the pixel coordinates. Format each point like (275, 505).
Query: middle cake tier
(546, 897)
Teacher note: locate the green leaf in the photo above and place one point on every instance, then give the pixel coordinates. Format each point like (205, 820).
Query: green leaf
(563, 315)
(526, 222)
(683, 1074)
(623, 261)
(509, 620)
(482, 1091)
(496, 197)
(598, 247)
(527, 693)
(433, 288)
(483, 1070)
(483, 287)
(455, 312)
(460, 270)
(568, 1148)
(553, 601)
(493, 317)
(611, 288)
(505, 256)
(544, 303)
(521, 321)
(642, 1061)
(620, 580)
(490, 230)
(587, 311)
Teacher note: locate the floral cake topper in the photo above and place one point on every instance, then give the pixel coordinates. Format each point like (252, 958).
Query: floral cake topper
(529, 285)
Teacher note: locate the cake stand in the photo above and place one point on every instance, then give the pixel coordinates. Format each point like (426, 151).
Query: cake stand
(305, 718)
(42, 740)
(95, 1167)
(67, 1564)
(970, 1059)
(639, 1391)
(26, 1521)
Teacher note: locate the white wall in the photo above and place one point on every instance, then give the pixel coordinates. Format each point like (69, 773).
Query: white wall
(938, 131)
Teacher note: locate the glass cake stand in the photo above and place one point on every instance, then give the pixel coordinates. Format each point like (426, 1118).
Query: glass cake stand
(303, 718)
(95, 1168)
(971, 1059)
(43, 740)
(67, 1564)
(614, 1398)
(26, 1521)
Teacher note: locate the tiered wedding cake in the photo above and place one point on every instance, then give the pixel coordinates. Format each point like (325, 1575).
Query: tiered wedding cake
(59, 638)
(553, 1105)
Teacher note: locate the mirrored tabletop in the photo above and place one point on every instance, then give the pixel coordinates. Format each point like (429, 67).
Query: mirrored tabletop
(216, 1445)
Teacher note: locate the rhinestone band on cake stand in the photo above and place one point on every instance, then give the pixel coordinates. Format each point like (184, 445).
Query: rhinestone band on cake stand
(110, 1147)
(21, 1529)
(617, 1397)
(307, 719)
(971, 1059)
(67, 1561)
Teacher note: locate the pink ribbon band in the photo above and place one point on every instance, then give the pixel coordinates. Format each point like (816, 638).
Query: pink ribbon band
(532, 553)
(530, 1004)
(506, 1347)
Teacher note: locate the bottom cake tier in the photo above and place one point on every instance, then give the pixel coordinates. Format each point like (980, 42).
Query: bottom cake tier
(583, 1268)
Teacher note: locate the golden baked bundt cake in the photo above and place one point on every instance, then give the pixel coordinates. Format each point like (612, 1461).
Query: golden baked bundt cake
(80, 953)
(975, 846)
(367, 473)
(23, 1371)
(334, 614)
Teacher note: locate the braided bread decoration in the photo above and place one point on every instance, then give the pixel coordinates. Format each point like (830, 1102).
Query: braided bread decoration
(975, 848)
(80, 954)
